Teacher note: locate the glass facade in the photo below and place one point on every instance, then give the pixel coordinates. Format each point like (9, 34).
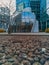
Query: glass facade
(21, 4)
(35, 6)
(38, 7)
(43, 14)
(27, 17)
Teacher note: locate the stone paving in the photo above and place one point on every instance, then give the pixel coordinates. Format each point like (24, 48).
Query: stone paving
(24, 50)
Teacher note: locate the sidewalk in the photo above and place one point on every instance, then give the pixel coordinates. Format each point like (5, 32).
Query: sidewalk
(40, 33)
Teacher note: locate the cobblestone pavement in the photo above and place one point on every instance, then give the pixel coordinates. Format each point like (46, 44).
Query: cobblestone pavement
(24, 50)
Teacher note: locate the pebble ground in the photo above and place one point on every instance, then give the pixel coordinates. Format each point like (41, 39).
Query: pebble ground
(24, 50)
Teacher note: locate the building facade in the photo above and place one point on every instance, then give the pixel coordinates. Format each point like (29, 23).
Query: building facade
(43, 14)
(35, 7)
(22, 4)
(39, 7)
(27, 18)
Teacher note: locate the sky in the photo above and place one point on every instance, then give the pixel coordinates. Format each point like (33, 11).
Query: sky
(6, 3)
(12, 5)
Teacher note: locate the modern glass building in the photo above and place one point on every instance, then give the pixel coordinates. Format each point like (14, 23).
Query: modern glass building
(27, 17)
(21, 4)
(43, 14)
(35, 7)
(39, 7)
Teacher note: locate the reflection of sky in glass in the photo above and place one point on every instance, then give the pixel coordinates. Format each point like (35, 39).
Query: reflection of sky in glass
(26, 3)
(28, 16)
(48, 6)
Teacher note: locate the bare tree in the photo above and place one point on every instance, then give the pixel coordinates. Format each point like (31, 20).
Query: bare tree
(9, 5)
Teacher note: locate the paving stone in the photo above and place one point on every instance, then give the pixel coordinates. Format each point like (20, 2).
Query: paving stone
(7, 63)
(23, 55)
(7, 57)
(1, 55)
(46, 63)
(16, 63)
(25, 62)
(42, 61)
(11, 60)
(1, 62)
(31, 60)
(36, 59)
(27, 48)
(36, 63)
